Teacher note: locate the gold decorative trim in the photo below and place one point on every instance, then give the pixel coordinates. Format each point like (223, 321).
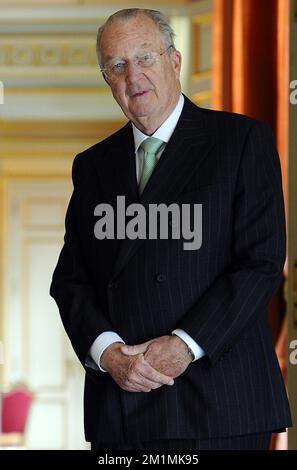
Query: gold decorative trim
(52, 20)
(66, 73)
(197, 22)
(47, 51)
(55, 128)
(143, 3)
(58, 90)
(36, 173)
(11, 439)
(42, 140)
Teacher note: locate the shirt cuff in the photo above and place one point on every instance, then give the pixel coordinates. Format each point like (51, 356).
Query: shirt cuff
(98, 347)
(194, 347)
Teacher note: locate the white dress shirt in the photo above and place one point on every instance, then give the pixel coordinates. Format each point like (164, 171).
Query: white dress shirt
(107, 338)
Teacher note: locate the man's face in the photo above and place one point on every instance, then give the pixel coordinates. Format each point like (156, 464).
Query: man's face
(146, 95)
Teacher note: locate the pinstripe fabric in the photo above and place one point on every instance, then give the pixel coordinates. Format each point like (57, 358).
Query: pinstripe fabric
(145, 288)
(257, 441)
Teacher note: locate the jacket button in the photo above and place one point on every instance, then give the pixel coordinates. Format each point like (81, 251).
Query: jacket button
(113, 285)
(161, 277)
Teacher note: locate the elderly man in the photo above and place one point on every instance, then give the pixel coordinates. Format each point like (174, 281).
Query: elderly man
(175, 342)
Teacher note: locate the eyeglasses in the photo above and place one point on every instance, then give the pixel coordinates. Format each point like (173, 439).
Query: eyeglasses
(115, 69)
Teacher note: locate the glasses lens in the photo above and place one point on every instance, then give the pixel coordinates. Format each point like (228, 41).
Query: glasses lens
(147, 59)
(115, 70)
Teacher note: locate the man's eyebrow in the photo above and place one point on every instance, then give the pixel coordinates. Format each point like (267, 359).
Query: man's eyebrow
(146, 44)
(141, 46)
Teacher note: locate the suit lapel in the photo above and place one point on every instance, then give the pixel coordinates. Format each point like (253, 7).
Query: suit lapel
(184, 152)
(117, 171)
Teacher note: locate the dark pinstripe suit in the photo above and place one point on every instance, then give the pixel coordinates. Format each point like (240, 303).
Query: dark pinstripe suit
(145, 288)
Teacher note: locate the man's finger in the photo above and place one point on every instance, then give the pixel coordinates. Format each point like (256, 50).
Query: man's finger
(147, 371)
(135, 349)
(136, 386)
(146, 381)
(143, 383)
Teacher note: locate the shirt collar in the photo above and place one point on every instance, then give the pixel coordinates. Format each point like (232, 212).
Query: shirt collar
(165, 131)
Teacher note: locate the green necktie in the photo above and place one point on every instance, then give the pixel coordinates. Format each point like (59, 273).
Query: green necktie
(150, 147)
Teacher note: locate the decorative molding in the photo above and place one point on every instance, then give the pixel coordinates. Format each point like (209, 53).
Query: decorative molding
(48, 51)
(25, 247)
(120, 3)
(43, 2)
(198, 22)
(15, 171)
(61, 90)
(58, 129)
(45, 149)
(27, 205)
(50, 76)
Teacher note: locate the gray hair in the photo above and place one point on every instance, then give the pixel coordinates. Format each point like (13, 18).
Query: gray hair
(158, 18)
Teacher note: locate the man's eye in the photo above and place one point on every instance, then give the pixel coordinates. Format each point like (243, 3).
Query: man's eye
(118, 67)
(146, 58)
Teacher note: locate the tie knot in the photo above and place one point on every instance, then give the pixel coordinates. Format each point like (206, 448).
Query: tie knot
(151, 145)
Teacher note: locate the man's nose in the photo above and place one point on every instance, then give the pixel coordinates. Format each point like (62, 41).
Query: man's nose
(132, 71)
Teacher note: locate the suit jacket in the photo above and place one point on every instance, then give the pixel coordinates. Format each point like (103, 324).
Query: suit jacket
(146, 288)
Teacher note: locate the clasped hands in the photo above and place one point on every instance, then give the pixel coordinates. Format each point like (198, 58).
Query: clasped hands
(146, 366)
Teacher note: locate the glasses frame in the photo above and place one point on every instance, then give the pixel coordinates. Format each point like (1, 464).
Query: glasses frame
(104, 70)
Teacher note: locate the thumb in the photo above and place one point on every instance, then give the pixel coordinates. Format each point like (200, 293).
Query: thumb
(134, 350)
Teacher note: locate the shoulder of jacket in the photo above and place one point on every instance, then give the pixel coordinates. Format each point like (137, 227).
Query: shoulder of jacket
(100, 147)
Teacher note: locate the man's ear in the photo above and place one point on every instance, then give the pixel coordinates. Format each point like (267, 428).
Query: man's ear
(176, 59)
